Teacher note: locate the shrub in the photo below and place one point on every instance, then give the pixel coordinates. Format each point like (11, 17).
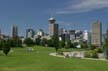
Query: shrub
(60, 53)
(91, 54)
(87, 54)
(99, 50)
(92, 47)
(94, 54)
(28, 41)
(84, 45)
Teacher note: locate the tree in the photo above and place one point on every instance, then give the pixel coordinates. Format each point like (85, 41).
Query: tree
(44, 42)
(68, 44)
(105, 46)
(61, 44)
(55, 41)
(50, 43)
(16, 42)
(74, 44)
(92, 47)
(28, 41)
(38, 41)
(1, 45)
(6, 48)
(84, 45)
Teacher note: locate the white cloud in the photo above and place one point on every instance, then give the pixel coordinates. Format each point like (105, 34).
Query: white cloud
(83, 6)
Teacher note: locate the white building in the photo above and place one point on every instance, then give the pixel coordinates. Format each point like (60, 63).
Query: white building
(40, 32)
(85, 35)
(30, 33)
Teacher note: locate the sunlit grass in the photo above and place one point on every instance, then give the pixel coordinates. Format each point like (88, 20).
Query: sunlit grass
(40, 60)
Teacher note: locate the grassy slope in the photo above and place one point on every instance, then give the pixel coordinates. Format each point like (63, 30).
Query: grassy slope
(39, 60)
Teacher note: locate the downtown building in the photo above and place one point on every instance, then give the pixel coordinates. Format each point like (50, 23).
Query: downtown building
(30, 33)
(40, 32)
(53, 27)
(64, 35)
(96, 34)
(86, 36)
(14, 31)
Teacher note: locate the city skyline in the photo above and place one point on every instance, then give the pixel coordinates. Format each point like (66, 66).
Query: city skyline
(35, 14)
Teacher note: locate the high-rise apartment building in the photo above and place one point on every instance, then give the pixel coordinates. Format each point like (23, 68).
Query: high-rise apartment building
(96, 34)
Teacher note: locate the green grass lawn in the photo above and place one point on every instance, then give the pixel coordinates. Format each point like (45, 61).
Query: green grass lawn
(39, 60)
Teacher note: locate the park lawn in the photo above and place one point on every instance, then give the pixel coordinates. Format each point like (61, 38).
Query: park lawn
(40, 60)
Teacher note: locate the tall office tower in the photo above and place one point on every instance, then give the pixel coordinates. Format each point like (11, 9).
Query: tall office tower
(30, 33)
(53, 28)
(14, 31)
(96, 34)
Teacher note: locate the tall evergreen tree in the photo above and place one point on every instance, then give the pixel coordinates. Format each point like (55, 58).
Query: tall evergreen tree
(55, 41)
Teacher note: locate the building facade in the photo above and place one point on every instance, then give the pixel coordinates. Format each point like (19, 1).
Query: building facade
(40, 32)
(14, 31)
(30, 33)
(53, 28)
(85, 36)
(96, 34)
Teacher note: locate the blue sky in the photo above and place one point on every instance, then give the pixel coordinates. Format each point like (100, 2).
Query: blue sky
(70, 14)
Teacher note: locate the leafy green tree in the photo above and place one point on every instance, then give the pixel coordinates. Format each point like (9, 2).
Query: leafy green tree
(28, 41)
(68, 44)
(55, 41)
(61, 44)
(1, 45)
(44, 42)
(16, 42)
(74, 44)
(6, 48)
(50, 43)
(38, 41)
(92, 47)
(84, 45)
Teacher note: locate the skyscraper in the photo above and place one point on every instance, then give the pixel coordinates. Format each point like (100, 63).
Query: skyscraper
(96, 34)
(53, 28)
(14, 31)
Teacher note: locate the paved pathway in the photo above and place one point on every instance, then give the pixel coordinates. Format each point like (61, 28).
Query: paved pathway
(54, 54)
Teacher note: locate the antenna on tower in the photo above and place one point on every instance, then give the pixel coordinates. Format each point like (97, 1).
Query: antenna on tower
(52, 13)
